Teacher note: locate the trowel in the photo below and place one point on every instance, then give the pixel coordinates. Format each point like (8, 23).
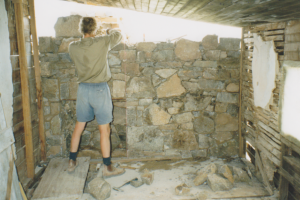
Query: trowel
(128, 182)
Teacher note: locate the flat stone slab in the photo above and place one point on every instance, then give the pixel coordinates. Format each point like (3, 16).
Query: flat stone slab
(57, 183)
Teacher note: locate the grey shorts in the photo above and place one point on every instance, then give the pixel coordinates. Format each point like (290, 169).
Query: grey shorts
(94, 99)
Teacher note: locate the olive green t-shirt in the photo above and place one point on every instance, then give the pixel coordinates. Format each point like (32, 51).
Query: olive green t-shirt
(90, 57)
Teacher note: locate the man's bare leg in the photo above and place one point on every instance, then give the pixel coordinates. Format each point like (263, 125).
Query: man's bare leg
(79, 127)
(105, 142)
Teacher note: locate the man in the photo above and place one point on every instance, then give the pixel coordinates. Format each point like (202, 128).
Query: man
(93, 96)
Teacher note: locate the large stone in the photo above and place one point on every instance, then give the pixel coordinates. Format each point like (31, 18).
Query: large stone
(205, 64)
(203, 174)
(187, 50)
(211, 84)
(68, 26)
(115, 140)
(194, 103)
(171, 88)
(156, 115)
(50, 89)
(165, 45)
(233, 110)
(203, 141)
(183, 118)
(204, 125)
(229, 44)
(64, 47)
(240, 175)
(54, 151)
(226, 172)
(121, 77)
(210, 42)
(119, 115)
(99, 188)
(225, 122)
(128, 55)
(140, 87)
(145, 46)
(221, 107)
(56, 125)
(172, 64)
(119, 47)
(227, 97)
(165, 73)
(45, 45)
(187, 74)
(119, 89)
(191, 86)
(222, 136)
(217, 183)
(163, 55)
(233, 87)
(147, 138)
(212, 55)
(45, 69)
(113, 60)
(131, 69)
(217, 74)
(229, 63)
(184, 139)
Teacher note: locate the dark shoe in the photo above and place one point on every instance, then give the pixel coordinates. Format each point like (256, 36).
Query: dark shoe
(72, 165)
(109, 171)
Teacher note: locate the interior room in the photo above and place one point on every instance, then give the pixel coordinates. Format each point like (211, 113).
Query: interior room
(206, 115)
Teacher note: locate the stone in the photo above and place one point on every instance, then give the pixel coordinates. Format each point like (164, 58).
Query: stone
(191, 87)
(165, 103)
(187, 126)
(205, 64)
(201, 153)
(185, 140)
(157, 116)
(140, 57)
(73, 88)
(113, 60)
(147, 71)
(147, 177)
(221, 107)
(121, 77)
(87, 196)
(210, 108)
(203, 174)
(187, 50)
(173, 111)
(163, 55)
(131, 69)
(99, 188)
(217, 74)
(217, 183)
(203, 141)
(223, 55)
(232, 87)
(177, 104)
(140, 87)
(145, 102)
(68, 26)
(185, 74)
(146, 138)
(136, 183)
(234, 54)
(225, 122)
(229, 44)
(233, 110)
(50, 89)
(183, 118)
(210, 42)
(226, 172)
(240, 175)
(171, 88)
(194, 103)
(118, 89)
(172, 64)
(165, 46)
(229, 63)
(115, 141)
(64, 47)
(227, 97)
(56, 125)
(127, 55)
(182, 189)
(119, 115)
(165, 73)
(222, 136)
(210, 84)
(45, 45)
(212, 55)
(204, 125)
(45, 69)
(145, 46)
(54, 151)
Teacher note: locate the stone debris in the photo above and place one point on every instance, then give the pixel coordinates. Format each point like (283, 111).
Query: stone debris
(137, 183)
(99, 188)
(147, 177)
(182, 189)
(240, 175)
(226, 172)
(217, 183)
(203, 174)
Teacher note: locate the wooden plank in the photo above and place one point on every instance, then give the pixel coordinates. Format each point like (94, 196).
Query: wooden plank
(261, 169)
(283, 188)
(293, 161)
(275, 38)
(10, 176)
(38, 80)
(292, 180)
(25, 89)
(242, 142)
(58, 183)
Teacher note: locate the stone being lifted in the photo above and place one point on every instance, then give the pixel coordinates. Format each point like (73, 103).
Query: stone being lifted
(264, 69)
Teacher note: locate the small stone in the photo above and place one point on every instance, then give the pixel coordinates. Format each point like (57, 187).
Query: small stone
(199, 153)
(113, 60)
(217, 183)
(54, 151)
(173, 111)
(222, 136)
(99, 188)
(232, 87)
(227, 97)
(145, 102)
(203, 141)
(118, 89)
(136, 183)
(131, 69)
(210, 42)
(184, 140)
(225, 122)
(157, 116)
(165, 46)
(204, 125)
(140, 87)
(226, 172)
(45, 45)
(165, 73)
(203, 174)
(64, 47)
(223, 54)
(163, 55)
(205, 64)
(221, 107)
(240, 175)
(56, 125)
(187, 126)
(186, 154)
(182, 190)
(177, 104)
(187, 50)
(140, 57)
(212, 55)
(128, 55)
(147, 177)
(45, 69)
(229, 44)
(145, 46)
(170, 88)
(183, 118)
(121, 77)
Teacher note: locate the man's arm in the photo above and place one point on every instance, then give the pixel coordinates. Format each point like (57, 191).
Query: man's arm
(115, 37)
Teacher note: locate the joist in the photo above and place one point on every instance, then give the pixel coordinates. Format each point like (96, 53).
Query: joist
(242, 142)
(278, 32)
(25, 89)
(274, 38)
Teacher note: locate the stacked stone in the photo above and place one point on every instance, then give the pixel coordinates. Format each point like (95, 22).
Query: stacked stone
(169, 99)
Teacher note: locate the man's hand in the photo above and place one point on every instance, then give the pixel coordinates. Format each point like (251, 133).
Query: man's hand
(107, 31)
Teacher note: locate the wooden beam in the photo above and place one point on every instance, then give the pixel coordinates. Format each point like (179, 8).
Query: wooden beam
(38, 80)
(10, 175)
(25, 89)
(242, 142)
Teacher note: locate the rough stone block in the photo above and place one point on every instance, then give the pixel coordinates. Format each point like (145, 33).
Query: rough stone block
(201, 153)
(221, 107)
(119, 47)
(222, 136)
(50, 89)
(132, 69)
(165, 73)
(45, 69)
(203, 141)
(145, 46)
(205, 64)
(173, 111)
(210, 42)
(119, 89)
(99, 188)
(225, 122)
(68, 26)
(165, 46)
(170, 88)
(137, 183)
(140, 87)
(217, 183)
(240, 175)
(182, 189)
(141, 57)
(229, 44)
(233, 87)
(194, 103)
(233, 110)
(54, 151)
(163, 55)
(157, 116)
(204, 173)
(216, 74)
(187, 50)
(113, 60)
(147, 177)
(212, 55)
(185, 140)
(210, 84)
(145, 102)
(128, 55)
(229, 63)
(45, 45)
(204, 125)
(119, 115)
(183, 118)
(227, 97)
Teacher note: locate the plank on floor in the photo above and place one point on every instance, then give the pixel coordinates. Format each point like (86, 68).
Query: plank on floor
(58, 183)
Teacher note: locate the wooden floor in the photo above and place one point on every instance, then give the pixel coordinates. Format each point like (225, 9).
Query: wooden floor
(57, 183)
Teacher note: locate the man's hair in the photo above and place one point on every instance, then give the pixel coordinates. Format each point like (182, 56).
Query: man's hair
(88, 25)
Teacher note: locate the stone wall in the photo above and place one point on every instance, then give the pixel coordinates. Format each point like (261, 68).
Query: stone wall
(169, 99)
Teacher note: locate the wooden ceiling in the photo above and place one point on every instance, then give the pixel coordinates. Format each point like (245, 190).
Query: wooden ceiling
(228, 12)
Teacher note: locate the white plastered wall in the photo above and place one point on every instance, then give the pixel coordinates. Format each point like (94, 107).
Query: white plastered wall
(264, 69)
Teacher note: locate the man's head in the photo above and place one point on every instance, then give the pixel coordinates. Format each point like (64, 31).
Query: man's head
(88, 25)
